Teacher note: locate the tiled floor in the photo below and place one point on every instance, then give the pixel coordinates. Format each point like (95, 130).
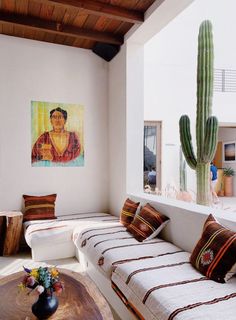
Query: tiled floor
(15, 263)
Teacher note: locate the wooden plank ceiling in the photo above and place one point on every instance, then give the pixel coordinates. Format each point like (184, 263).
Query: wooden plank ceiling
(77, 23)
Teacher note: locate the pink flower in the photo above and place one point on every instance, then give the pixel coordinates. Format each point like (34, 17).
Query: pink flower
(30, 281)
(24, 281)
(39, 289)
(57, 287)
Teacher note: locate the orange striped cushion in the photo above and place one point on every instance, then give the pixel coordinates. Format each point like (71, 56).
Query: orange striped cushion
(147, 223)
(39, 207)
(128, 212)
(215, 253)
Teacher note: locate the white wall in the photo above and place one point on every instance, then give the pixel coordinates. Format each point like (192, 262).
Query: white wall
(126, 104)
(134, 122)
(44, 72)
(117, 131)
(125, 124)
(170, 75)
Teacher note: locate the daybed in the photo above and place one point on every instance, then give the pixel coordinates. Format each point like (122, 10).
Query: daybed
(52, 239)
(153, 279)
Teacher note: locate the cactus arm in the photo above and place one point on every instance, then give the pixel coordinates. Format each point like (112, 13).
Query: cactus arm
(184, 177)
(211, 138)
(182, 171)
(186, 141)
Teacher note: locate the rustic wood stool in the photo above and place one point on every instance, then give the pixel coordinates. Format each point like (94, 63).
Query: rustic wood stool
(10, 232)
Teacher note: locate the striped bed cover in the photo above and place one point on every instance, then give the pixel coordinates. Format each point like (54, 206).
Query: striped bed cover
(169, 288)
(60, 229)
(154, 278)
(109, 244)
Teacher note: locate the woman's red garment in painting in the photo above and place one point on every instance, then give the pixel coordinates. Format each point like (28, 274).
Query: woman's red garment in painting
(48, 148)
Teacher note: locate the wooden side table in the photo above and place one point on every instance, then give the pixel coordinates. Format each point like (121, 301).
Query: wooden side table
(81, 299)
(10, 232)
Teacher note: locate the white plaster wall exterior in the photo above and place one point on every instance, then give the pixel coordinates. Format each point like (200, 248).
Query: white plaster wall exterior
(126, 104)
(117, 131)
(44, 72)
(170, 76)
(134, 111)
(125, 124)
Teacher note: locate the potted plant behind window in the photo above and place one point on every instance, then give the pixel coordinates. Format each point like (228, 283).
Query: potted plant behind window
(228, 181)
(221, 192)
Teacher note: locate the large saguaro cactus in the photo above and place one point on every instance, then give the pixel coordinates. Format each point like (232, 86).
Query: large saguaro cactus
(206, 125)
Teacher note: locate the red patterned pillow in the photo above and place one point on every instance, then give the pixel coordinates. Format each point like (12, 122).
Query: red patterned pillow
(128, 212)
(147, 223)
(39, 207)
(215, 253)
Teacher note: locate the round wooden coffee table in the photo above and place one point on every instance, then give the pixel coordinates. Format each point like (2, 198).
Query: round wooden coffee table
(81, 299)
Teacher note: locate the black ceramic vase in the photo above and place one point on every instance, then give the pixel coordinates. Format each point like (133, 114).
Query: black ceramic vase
(45, 306)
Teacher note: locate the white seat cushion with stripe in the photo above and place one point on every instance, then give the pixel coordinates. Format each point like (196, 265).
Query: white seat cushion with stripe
(169, 288)
(108, 244)
(59, 230)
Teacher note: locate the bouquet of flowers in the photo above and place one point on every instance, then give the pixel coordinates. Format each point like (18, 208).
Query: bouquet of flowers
(42, 279)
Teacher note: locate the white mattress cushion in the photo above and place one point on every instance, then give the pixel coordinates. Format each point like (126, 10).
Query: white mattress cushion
(40, 232)
(169, 288)
(108, 244)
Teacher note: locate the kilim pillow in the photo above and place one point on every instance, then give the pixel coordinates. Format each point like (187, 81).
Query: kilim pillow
(39, 207)
(147, 223)
(128, 212)
(215, 253)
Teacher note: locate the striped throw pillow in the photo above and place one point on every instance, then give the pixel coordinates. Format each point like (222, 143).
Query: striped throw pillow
(215, 253)
(39, 207)
(128, 212)
(147, 223)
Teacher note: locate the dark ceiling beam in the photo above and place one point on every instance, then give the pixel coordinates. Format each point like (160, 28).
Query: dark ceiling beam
(59, 28)
(102, 9)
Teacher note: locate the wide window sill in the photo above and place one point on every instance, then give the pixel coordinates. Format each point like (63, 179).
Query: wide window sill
(193, 208)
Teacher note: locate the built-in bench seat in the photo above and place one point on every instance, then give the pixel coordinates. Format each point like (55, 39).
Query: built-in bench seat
(168, 287)
(52, 239)
(109, 245)
(154, 278)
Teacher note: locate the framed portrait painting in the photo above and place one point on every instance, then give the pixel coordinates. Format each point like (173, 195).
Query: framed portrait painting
(229, 151)
(57, 134)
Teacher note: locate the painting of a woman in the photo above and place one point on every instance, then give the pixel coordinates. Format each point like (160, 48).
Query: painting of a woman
(57, 146)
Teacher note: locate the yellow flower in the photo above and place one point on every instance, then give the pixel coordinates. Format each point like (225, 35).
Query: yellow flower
(34, 273)
(21, 286)
(54, 272)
